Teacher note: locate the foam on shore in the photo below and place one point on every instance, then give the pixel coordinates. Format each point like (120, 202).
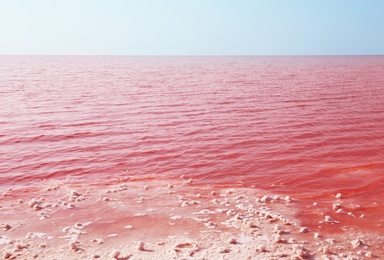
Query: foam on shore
(162, 219)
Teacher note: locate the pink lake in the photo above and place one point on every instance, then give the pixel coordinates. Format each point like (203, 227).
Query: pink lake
(309, 127)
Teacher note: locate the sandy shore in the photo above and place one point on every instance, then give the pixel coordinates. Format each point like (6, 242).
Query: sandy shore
(169, 219)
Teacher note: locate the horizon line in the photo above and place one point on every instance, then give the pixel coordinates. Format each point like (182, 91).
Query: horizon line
(194, 55)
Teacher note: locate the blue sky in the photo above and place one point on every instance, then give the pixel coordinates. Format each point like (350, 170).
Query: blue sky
(192, 27)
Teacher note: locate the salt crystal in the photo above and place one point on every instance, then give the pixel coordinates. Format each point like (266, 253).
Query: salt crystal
(210, 224)
(43, 245)
(7, 255)
(278, 238)
(43, 217)
(34, 202)
(73, 245)
(266, 198)
(74, 193)
(330, 220)
(79, 225)
(66, 229)
(6, 227)
(115, 254)
(336, 206)
(261, 248)
(140, 245)
(37, 207)
(231, 212)
(232, 240)
(239, 216)
(296, 247)
(304, 230)
(223, 250)
(339, 196)
(369, 254)
(303, 253)
(99, 241)
(251, 225)
(276, 227)
(326, 250)
(357, 242)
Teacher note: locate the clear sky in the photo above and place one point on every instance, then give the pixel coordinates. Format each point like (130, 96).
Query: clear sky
(192, 27)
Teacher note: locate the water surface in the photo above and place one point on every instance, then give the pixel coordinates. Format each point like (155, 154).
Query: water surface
(306, 126)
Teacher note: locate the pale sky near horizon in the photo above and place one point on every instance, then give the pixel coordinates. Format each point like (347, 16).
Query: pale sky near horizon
(192, 27)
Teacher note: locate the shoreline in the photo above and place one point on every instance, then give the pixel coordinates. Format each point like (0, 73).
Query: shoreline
(170, 219)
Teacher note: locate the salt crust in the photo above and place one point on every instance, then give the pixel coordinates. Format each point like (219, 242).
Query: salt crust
(128, 219)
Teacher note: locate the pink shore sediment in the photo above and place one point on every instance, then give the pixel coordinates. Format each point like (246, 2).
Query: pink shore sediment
(154, 219)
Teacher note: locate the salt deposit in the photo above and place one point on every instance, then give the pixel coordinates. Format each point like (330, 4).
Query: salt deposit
(233, 224)
(140, 245)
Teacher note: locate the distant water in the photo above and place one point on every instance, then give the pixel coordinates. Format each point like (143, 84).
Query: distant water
(308, 126)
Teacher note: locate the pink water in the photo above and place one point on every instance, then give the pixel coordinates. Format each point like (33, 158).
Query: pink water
(305, 126)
